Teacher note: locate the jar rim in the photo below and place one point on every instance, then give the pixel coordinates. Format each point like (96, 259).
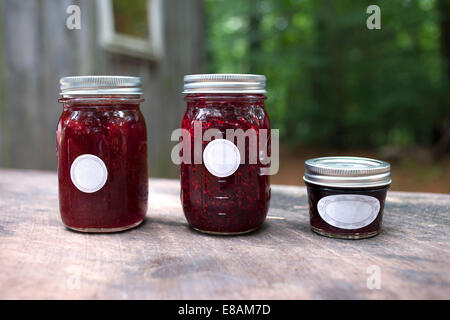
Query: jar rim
(100, 100)
(347, 172)
(100, 85)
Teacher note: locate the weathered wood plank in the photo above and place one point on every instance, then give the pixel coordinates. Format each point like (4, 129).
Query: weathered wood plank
(3, 110)
(165, 259)
(23, 55)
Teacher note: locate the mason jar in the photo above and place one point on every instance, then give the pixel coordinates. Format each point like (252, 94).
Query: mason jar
(224, 189)
(346, 195)
(101, 143)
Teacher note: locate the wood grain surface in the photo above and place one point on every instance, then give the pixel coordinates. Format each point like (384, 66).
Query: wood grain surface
(165, 259)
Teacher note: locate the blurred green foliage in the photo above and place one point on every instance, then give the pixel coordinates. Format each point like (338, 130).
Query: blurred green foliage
(332, 81)
(130, 17)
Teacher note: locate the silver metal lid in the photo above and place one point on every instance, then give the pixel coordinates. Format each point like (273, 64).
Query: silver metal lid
(100, 85)
(347, 172)
(225, 83)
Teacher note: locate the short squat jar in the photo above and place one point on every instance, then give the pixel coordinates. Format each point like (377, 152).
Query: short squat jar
(224, 184)
(346, 195)
(101, 143)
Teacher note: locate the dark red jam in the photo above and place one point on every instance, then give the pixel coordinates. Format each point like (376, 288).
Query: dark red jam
(101, 144)
(319, 225)
(237, 203)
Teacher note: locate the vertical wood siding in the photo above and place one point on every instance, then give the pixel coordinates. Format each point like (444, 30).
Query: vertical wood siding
(36, 50)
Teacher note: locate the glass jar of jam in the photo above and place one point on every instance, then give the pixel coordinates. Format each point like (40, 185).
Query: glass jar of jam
(223, 187)
(346, 195)
(101, 143)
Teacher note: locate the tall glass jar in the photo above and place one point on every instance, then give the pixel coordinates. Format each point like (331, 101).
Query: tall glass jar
(223, 189)
(101, 143)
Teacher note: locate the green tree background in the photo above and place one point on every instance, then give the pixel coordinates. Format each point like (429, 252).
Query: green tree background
(332, 81)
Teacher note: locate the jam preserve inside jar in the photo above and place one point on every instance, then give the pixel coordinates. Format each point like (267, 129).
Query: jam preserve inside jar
(346, 195)
(101, 143)
(222, 194)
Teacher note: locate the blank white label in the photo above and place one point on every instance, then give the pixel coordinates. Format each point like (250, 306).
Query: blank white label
(352, 211)
(221, 157)
(88, 173)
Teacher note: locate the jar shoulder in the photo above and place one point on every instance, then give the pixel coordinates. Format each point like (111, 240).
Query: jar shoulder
(227, 115)
(101, 121)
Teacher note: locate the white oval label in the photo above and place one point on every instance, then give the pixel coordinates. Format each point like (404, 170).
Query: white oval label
(351, 211)
(221, 157)
(88, 173)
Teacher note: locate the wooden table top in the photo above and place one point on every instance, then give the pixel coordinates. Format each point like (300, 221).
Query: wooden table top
(165, 259)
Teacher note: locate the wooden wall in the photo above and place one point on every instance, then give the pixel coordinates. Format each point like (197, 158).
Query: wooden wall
(36, 50)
